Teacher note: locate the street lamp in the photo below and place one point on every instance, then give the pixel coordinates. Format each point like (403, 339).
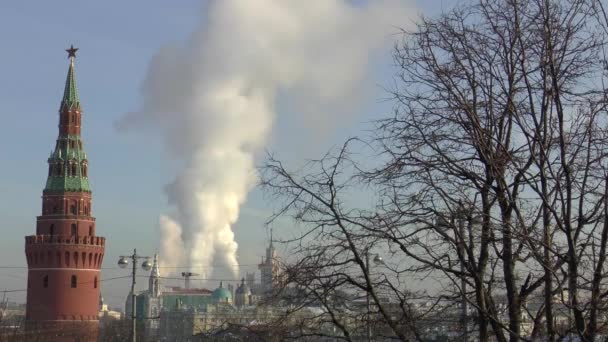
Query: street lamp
(378, 261)
(123, 262)
(459, 218)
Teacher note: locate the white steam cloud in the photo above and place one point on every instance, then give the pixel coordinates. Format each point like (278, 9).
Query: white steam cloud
(213, 99)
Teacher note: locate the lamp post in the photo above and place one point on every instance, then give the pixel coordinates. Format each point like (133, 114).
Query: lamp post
(378, 261)
(123, 262)
(459, 218)
(463, 284)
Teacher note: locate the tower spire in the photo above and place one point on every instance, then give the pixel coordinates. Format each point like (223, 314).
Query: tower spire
(154, 279)
(70, 99)
(68, 166)
(271, 237)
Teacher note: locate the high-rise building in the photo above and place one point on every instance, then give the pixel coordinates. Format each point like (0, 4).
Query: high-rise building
(269, 270)
(65, 255)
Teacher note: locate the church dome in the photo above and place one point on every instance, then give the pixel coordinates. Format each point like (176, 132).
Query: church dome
(243, 289)
(242, 295)
(221, 294)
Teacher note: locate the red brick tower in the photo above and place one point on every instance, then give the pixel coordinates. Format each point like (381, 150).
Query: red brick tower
(65, 255)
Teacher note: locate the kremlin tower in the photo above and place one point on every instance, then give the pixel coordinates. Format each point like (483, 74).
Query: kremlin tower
(65, 255)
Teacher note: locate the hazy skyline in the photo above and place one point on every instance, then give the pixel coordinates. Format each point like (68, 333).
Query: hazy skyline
(128, 170)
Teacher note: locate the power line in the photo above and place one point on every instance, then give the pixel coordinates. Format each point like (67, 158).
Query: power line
(79, 283)
(202, 279)
(162, 267)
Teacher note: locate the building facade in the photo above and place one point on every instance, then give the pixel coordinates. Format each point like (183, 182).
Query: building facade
(64, 256)
(269, 271)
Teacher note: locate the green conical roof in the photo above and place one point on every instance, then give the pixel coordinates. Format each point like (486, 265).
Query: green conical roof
(70, 99)
(68, 162)
(68, 166)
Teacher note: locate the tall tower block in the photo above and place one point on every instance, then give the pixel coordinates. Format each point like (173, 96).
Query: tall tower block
(65, 255)
(269, 269)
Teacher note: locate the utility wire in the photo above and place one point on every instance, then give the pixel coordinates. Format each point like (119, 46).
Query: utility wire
(79, 283)
(161, 267)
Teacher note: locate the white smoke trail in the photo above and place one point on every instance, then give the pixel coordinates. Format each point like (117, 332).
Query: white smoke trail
(214, 97)
(171, 243)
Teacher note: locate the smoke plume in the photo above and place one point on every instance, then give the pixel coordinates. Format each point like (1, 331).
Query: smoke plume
(213, 99)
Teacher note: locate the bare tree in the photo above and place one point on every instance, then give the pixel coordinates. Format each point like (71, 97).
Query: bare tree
(332, 267)
(490, 178)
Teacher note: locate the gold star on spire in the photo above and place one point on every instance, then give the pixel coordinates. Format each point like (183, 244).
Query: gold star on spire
(72, 51)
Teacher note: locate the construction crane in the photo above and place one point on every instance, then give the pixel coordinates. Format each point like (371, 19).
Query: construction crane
(187, 276)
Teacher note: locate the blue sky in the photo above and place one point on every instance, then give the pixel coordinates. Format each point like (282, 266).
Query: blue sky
(117, 39)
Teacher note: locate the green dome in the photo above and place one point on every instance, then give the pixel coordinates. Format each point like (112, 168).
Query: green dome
(221, 294)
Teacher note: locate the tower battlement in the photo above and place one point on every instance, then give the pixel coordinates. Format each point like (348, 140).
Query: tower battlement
(97, 241)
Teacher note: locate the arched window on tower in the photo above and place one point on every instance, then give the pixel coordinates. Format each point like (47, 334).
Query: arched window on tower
(74, 229)
(90, 230)
(74, 173)
(52, 230)
(73, 209)
(45, 281)
(74, 281)
(67, 259)
(95, 283)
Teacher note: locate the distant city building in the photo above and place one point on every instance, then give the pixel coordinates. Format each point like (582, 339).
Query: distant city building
(65, 254)
(269, 270)
(153, 302)
(175, 297)
(170, 312)
(105, 314)
(243, 295)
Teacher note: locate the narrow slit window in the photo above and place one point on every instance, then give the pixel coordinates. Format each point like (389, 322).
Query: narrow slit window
(74, 281)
